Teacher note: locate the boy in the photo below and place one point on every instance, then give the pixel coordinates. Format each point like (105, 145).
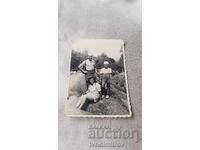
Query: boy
(106, 74)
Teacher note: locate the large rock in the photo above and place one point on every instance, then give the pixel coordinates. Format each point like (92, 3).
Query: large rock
(77, 84)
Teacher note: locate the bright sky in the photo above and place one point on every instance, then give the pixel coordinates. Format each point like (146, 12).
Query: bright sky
(98, 46)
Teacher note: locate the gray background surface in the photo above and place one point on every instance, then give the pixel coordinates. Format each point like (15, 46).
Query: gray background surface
(106, 19)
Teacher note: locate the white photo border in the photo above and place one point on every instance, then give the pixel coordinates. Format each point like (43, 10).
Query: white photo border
(127, 89)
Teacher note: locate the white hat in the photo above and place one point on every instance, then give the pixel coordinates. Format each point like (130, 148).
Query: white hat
(105, 62)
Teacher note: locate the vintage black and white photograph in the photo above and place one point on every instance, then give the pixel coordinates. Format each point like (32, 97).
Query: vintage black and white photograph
(98, 84)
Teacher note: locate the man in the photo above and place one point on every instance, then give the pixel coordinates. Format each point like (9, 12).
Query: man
(88, 67)
(106, 74)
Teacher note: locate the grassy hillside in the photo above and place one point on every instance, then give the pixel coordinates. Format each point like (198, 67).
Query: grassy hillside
(117, 104)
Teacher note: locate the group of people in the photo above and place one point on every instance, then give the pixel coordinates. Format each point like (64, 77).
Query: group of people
(95, 90)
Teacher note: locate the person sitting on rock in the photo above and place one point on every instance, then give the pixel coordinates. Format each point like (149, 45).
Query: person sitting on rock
(105, 74)
(92, 94)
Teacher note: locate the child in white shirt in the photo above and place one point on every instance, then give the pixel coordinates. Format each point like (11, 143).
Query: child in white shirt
(106, 74)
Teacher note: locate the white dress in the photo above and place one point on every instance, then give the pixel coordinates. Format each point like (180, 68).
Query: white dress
(91, 94)
(93, 91)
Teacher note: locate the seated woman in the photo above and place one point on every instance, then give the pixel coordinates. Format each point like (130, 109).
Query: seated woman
(92, 94)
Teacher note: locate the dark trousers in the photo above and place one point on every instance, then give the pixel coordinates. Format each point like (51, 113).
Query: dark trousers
(105, 86)
(88, 75)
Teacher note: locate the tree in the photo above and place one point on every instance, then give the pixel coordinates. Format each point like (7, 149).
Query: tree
(100, 59)
(120, 63)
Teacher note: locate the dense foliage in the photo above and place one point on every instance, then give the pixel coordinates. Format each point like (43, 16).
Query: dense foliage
(78, 57)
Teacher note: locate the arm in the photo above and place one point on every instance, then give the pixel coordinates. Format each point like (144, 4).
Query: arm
(99, 90)
(80, 67)
(100, 95)
(96, 71)
(95, 68)
(112, 73)
(86, 92)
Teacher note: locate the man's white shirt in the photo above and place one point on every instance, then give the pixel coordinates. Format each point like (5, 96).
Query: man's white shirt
(89, 64)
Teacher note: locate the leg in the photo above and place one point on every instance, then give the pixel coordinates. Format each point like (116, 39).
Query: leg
(81, 101)
(84, 98)
(108, 88)
(86, 80)
(103, 90)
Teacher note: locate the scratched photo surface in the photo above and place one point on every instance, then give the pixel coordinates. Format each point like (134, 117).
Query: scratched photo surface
(98, 84)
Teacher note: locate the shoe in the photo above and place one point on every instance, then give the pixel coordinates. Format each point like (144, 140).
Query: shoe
(107, 96)
(103, 96)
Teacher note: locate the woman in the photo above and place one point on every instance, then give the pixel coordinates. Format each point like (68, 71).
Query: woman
(93, 93)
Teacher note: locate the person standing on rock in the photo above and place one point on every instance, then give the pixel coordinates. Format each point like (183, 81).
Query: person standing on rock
(88, 67)
(105, 73)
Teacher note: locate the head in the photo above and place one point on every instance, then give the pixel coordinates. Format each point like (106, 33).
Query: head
(92, 80)
(106, 64)
(89, 56)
